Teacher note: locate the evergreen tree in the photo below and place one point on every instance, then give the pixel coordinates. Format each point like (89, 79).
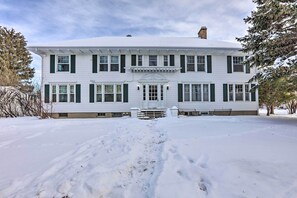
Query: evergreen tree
(272, 44)
(272, 34)
(14, 60)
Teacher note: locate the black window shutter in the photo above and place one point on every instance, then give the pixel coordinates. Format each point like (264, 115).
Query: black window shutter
(126, 94)
(182, 64)
(52, 63)
(172, 60)
(253, 93)
(212, 92)
(94, 63)
(209, 64)
(46, 93)
(247, 66)
(123, 63)
(225, 92)
(229, 64)
(91, 91)
(133, 60)
(72, 70)
(180, 92)
(77, 93)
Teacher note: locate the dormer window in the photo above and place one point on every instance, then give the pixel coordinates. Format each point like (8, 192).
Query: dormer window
(63, 63)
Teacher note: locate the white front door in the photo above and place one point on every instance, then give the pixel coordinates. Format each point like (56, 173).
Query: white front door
(153, 96)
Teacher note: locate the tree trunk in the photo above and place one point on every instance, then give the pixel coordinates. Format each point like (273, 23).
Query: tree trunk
(271, 109)
(268, 110)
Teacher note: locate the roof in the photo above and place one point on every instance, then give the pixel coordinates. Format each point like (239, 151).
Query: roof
(141, 42)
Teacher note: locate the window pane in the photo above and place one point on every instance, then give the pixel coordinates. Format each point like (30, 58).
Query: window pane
(71, 97)
(99, 89)
(205, 92)
(114, 59)
(108, 89)
(119, 98)
(108, 98)
(54, 89)
(62, 97)
(63, 89)
(71, 88)
(152, 60)
(103, 59)
(63, 67)
(103, 67)
(54, 98)
(187, 92)
(98, 97)
(119, 89)
(114, 67)
(63, 59)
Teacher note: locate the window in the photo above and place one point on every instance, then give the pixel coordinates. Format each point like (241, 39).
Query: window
(114, 63)
(108, 94)
(238, 92)
(230, 92)
(139, 60)
(63, 63)
(99, 93)
(247, 92)
(187, 92)
(71, 93)
(54, 93)
(119, 93)
(190, 63)
(237, 63)
(153, 92)
(62, 93)
(165, 59)
(205, 92)
(103, 63)
(153, 60)
(196, 92)
(200, 63)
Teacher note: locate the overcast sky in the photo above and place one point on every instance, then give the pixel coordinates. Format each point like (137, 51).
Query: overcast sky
(54, 20)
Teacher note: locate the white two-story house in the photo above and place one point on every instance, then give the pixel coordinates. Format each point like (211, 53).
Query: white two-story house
(109, 76)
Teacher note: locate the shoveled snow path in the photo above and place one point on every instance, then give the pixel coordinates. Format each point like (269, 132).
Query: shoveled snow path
(122, 163)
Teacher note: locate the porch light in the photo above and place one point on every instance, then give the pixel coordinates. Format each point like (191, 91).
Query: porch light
(167, 87)
(138, 87)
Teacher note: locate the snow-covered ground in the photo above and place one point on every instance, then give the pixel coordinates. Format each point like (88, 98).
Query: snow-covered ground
(205, 156)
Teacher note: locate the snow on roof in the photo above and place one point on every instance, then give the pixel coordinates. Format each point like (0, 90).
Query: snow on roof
(170, 42)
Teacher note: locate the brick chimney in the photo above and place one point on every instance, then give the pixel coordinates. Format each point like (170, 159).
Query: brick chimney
(202, 32)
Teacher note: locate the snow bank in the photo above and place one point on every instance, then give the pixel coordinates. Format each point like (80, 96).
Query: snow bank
(205, 156)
